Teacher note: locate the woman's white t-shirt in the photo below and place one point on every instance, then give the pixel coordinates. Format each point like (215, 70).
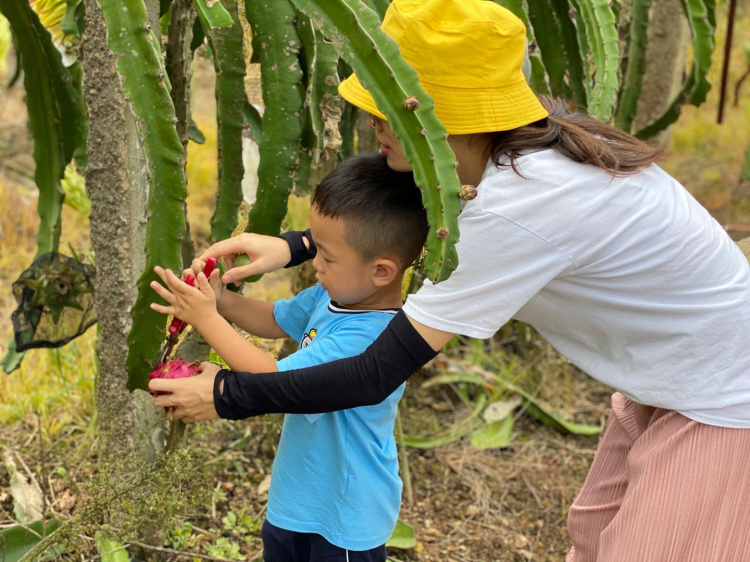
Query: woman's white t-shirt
(630, 278)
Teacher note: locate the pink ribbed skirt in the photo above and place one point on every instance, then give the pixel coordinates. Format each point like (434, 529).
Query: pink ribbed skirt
(663, 488)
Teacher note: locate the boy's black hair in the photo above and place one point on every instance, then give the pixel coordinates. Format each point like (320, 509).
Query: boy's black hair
(382, 208)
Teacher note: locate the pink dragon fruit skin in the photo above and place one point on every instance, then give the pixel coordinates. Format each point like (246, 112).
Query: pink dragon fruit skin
(173, 369)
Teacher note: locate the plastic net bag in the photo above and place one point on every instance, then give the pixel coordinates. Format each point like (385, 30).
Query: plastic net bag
(55, 297)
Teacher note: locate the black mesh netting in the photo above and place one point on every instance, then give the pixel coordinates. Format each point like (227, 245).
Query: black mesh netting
(55, 298)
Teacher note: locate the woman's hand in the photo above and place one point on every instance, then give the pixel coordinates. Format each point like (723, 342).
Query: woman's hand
(193, 305)
(266, 254)
(191, 397)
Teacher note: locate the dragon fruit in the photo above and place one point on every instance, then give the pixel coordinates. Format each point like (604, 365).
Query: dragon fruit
(173, 369)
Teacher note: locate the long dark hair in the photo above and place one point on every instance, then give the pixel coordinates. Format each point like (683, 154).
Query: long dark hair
(577, 136)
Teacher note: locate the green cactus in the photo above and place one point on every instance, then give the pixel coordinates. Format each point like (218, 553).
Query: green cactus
(321, 139)
(636, 66)
(378, 6)
(253, 120)
(378, 63)
(558, 42)
(226, 44)
(213, 14)
(140, 66)
(56, 121)
(277, 43)
(597, 36)
(310, 125)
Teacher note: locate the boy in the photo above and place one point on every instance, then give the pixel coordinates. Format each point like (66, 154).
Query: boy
(335, 490)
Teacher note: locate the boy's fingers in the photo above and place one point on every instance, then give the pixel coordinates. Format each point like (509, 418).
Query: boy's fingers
(160, 273)
(162, 309)
(163, 292)
(175, 284)
(203, 285)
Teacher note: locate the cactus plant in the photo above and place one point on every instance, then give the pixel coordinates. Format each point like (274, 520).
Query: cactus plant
(226, 45)
(598, 40)
(56, 120)
(636, 62)
(277, 42)
(321, 139)
(142, 75)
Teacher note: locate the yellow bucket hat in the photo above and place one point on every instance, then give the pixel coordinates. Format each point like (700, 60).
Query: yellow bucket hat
(468, 55)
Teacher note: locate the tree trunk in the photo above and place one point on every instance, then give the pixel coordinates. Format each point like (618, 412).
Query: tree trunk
(668, 34)
(116, 179)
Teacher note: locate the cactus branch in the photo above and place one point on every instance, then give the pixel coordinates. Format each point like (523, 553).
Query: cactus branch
(226, 43)
(56, 121)
(213, 14)
(633, 80)
(141, 71)
(598, 21)
(277, 43)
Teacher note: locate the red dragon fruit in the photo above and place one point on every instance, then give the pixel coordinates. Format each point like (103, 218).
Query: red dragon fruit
(173, 369)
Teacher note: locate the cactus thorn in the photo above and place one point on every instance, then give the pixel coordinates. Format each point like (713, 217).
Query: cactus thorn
(442, 233)
(411, 103)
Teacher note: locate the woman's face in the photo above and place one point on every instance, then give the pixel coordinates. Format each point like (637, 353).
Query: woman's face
(471, 150)
(390, 146)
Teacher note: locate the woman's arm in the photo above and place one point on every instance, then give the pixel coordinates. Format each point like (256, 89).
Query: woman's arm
(368, 378)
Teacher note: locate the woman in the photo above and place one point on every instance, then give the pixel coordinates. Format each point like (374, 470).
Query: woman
(576, 232)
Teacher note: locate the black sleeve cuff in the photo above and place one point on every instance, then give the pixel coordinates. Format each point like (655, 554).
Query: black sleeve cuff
(362, 380)
(300, 252)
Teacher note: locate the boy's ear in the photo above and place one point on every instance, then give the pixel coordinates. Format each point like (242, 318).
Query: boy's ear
(386, 271)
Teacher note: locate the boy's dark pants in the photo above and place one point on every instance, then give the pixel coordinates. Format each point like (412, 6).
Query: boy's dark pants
(280, 545)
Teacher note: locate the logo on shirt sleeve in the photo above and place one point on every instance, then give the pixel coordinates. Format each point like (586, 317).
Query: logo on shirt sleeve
(308, 338)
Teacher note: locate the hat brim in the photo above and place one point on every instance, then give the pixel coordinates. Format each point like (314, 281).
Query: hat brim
(465, 111)
(351, 90)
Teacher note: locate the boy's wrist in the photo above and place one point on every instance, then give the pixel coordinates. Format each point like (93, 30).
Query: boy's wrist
(204, 322)
(225, 302)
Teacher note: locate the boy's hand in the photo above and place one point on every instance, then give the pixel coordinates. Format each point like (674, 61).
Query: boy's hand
(193, 305)
(197, 267)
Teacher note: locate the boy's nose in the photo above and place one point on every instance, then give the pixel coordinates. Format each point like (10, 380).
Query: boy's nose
(316, 263)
